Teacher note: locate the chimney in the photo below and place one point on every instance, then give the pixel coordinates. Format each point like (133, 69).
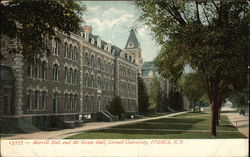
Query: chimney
(87, 29)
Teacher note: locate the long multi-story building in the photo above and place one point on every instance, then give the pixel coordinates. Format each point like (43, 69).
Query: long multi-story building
(80, 77)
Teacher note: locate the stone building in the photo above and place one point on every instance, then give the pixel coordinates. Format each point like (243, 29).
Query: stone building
(79, 79)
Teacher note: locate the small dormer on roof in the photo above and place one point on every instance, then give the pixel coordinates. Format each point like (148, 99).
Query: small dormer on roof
(99, 42)
(132, 41)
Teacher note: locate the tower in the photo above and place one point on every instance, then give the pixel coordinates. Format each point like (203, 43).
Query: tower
(132, 48)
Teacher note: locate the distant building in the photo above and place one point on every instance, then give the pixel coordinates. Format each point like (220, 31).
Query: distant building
(148, 72)
(79, 79)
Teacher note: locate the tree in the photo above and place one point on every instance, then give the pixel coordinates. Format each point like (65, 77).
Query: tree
(202, 35)
(155, 95)
(31, 22)
(143, 103)
(192, 87)
(116, 107)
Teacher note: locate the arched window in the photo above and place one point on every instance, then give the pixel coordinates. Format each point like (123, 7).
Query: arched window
(55, 72)
(86, 102)
(29, 71)
(86, 79)
(70, 75)
(89, 80)
(92, 102)
(43, 101)
(66, 101)
(44, 70)
(75, 101)
(69, 51)
(36, 104)
(65, 49)
(66, 74)
(92, 80)
(71, 101)
(29, 99)
(99, 82)
(99, 63)
(75, 76)
(92, 60)
(75, 51)
(87, 59)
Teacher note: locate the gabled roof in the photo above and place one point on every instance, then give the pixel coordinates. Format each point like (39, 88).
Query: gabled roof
(132, 38)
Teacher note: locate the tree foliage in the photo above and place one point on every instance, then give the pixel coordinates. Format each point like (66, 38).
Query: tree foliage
(143, 103)
(155, 95)
(116, 107)
(30, 22)
(211, 37)
(192, 86)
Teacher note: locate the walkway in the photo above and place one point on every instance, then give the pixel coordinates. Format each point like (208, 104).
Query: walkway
(233, 116)
(60, 134)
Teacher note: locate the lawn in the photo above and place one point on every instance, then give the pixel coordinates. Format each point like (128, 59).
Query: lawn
(185, 126)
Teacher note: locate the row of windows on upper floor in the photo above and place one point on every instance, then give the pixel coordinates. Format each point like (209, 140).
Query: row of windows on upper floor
(40, 70)
(98, 82)
(98, 63)
(127, 73)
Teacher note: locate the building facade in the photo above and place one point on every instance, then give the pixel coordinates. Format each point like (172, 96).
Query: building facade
(80, 77)
(172, 98)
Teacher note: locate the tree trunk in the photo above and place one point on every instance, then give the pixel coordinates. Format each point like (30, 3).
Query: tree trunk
(219, 109)
(214, 115)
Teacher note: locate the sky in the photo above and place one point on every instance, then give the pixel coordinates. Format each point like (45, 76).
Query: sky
(112, 21)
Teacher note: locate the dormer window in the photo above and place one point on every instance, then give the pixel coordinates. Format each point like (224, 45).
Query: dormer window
(99, 41)
(105, 47)
(130, 44)
(109, 47)
(126, 55)
(130, 58)
(92, 41)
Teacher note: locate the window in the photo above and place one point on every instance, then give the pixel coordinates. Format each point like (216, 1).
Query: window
(75, 77)
(55, 72)
(75, 102)
(36, 103)
(29, 71)
(65, 49)
(55, 47)
(86, 102)
(86, 79)
(44, 70)
(35, 71)
(87, 62)
(92, 61)
(99, 64)
(71, 101)
(66, 74)
(69, 51)
(71, 75)
(29, 99)
(44, 100)
(75, 53)
(66, 100)
(92, 80)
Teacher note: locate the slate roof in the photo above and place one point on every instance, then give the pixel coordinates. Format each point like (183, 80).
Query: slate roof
(132, 38)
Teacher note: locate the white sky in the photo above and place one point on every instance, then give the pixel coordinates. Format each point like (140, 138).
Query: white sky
(112, 21)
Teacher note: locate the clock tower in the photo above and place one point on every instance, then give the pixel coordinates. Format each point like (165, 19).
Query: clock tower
(132, 48)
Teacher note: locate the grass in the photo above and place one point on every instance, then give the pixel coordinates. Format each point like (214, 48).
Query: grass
(185, 126)
(155, 114)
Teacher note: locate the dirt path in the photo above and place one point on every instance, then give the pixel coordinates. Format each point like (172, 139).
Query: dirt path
(86, 127)
(233, 116)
